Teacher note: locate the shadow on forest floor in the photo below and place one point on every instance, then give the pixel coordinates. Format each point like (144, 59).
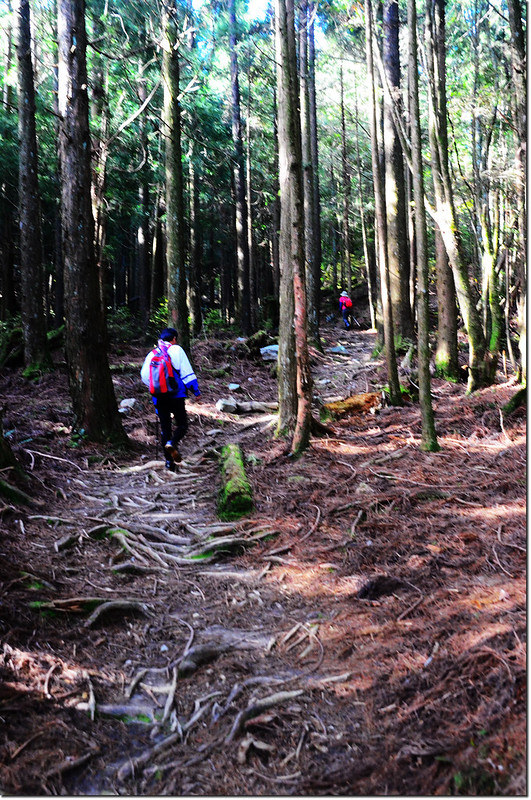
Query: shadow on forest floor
(361, 633)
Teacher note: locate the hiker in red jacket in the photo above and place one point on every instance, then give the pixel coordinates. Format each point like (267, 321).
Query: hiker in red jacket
(345, 306)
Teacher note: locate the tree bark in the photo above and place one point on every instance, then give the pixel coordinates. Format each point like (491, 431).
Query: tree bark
(371, 288)
(91, 388)
(143, 238)
(518, 66)
(194, 281)
(100, 151)
(445, 215)
(380, 219)
(242, 247)
(36, 354)
(429, 438)
(345, 192)
(446, 361)
(395, 190)
(314, 324)
(175, 236)
(308, 173)
(292, 218)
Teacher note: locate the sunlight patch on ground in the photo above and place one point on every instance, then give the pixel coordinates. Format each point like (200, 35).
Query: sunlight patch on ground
(496, 514)
(472, 639)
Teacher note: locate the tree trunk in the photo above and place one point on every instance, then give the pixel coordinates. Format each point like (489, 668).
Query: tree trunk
(395, 190)
(518, 66)
(253, 282)
(316, 205)
(479, 369)
(91, 388)
(429, 438)
(100, 149)
(292, 220)
(36, 355)
(371, 288)
(242, 248)
(8, 53)
(345, 192)
(380, 219)
(194, 280)
(446, 361)
(308, 176)
(175, 237)
(143, 232)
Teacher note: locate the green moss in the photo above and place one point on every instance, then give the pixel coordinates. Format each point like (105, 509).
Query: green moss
(235, 498)
(202, 556)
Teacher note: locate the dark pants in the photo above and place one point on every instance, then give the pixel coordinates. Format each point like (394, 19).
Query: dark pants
(346, 317)
(165, 407)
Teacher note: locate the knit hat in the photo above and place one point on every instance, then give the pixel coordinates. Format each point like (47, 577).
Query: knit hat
(344, 294)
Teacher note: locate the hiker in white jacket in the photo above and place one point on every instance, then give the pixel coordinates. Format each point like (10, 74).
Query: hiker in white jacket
(168, 374)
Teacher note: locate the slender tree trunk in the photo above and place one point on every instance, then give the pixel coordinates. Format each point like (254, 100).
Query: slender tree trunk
(308, 175)
(380, 219)
(91, 388)
(479, 370)
(143, 231)
(446, 360)
(253, 287)
(518, 65)
(36, 355)
(333, 229)
(429, 438)
(100, 149)
(8, 52)
(275, 213)
(194, 280)
(395, 191)
(371, 289)
(175, 236)
(314, 150)
(292, 216)
(491, 290)
(242, 248)
(346, 188)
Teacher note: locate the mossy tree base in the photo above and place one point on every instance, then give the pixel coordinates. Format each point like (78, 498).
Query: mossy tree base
(517, 400)
(235, 498)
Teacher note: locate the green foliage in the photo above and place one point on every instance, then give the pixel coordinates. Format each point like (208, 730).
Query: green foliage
(122, 325)
(77, 438)
(159, 318)
(213, 322)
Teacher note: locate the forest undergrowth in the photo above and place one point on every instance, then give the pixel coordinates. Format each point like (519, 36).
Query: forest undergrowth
(362, 632)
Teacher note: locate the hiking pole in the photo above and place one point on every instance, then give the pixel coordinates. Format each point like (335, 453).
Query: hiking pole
(356, 321)
(157, 435)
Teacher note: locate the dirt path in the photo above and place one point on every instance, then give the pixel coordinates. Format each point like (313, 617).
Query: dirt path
(361, 633)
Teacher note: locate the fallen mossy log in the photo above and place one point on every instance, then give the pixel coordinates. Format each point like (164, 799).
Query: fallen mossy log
(235, 497)
(357, 404)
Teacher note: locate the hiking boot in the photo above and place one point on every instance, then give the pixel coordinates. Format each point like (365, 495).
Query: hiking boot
(171, 452)
(171, 465)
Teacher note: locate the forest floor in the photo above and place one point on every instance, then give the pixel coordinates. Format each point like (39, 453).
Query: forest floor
(362, 632)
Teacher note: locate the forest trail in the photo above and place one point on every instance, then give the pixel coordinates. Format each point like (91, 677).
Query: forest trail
(362, 632)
